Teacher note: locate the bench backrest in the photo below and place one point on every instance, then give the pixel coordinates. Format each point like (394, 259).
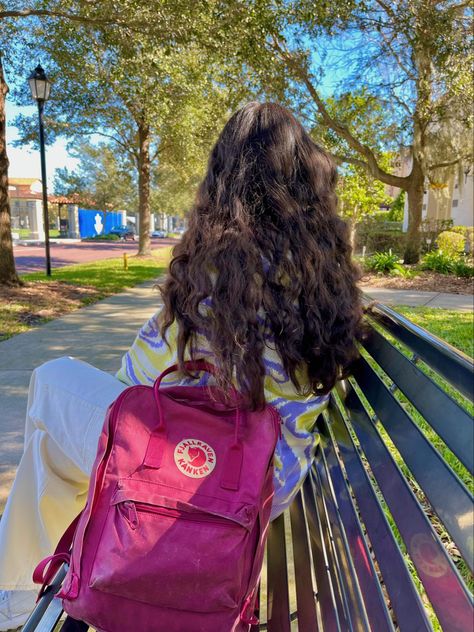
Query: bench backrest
(381, 536)
(386, 508)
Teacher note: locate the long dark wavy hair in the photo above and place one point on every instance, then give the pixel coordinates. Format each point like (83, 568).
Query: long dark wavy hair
(266, 247)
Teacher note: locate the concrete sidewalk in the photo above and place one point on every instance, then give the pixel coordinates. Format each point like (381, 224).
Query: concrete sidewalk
(413, 298)
(100, 334)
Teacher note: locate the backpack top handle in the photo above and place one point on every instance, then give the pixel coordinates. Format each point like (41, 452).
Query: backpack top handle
(157, 441)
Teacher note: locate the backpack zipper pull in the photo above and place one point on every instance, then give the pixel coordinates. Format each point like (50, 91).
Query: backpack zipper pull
(129, 512)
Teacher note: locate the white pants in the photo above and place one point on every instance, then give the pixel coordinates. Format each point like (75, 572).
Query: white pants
(67, 403)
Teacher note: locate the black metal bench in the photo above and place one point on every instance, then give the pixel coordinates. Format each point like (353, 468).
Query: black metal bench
(383, 524)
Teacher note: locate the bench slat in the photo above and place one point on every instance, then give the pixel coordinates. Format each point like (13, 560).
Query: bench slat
(445, 589)
(277, 593)
(305, 599)
(447, 494)
(432, 402)
(352, 601)
(338, 566)
(407, 605)
(453, 365)
(369, 592)
(325, 590)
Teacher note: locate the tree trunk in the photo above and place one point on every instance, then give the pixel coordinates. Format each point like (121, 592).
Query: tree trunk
(8, 274)
(352, 233)
(144, 168)
(422, 58)
(415, 206)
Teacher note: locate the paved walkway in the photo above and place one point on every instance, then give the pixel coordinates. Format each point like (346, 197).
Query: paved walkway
(100, 334)
(412, 298)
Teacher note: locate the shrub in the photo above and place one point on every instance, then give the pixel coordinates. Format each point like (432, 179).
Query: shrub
(107, 237)
(468, 234)
(384, 263)
(430, 229)
(379, 239)
(458, 229)
(451, 244)
(463, 269)
(438, 262)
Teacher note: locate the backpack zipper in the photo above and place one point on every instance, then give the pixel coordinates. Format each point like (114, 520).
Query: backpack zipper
(130, 511)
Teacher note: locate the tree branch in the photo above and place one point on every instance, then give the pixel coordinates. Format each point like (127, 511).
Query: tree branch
(113, 19)
(120, 142)
(337, 126)
(24, 13)
(450, 163)
(353, 161)
(388, 9)
(397, 58)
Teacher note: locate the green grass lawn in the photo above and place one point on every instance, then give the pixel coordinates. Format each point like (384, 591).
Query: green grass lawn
(72, 287)
(452, 326)
(109, 275)
(25, 233)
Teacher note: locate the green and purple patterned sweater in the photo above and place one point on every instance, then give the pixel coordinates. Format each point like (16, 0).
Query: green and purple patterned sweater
(150, 355)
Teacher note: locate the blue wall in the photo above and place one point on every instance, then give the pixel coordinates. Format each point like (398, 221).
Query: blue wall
(91, 223)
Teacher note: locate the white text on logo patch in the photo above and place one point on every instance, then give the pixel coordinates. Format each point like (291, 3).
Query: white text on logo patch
(194, 458)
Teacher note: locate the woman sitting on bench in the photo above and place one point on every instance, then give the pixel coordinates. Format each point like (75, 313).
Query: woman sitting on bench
(261, 284)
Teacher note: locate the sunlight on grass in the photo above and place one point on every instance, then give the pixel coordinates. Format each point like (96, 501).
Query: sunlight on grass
(454, 327)
(109, 275)
(20, 312)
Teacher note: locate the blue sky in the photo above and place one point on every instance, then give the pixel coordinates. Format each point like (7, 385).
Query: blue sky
(25, 161)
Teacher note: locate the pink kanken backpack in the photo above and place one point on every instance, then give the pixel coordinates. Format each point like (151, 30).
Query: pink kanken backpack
(173, 534)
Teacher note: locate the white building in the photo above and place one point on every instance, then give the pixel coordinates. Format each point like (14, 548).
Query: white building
(26, 207)
(449, 200)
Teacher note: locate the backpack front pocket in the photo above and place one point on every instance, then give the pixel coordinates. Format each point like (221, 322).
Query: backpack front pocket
(171, 553)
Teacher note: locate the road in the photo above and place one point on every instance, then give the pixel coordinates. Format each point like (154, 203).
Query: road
(32, 258)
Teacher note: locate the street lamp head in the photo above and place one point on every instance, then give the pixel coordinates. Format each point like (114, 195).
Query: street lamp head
(40, 86)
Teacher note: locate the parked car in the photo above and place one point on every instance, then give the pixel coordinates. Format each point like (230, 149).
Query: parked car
(124, 232)
(161, 234)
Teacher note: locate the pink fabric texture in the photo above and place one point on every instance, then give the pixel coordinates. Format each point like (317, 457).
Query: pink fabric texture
(173, 534)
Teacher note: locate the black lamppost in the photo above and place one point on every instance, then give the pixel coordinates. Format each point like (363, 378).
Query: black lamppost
(40, 88)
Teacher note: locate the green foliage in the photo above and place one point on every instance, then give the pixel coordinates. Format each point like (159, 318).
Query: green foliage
(438, 262)
(360, 195)
(451, 244)
(104, 178)
(450, 258)
(385, 263)
(468, 234)
(376, 238)
(106, 237)
(395, 213)
(463, 269)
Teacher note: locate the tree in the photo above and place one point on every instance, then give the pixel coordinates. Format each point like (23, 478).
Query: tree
(146, 98)
(133, 26)
(102, 180)
(8, 274)
(410, 57)
(13, 28)
(360, 196)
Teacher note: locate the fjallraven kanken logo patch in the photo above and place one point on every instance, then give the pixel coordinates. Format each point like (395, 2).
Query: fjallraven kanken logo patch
(194, 458)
